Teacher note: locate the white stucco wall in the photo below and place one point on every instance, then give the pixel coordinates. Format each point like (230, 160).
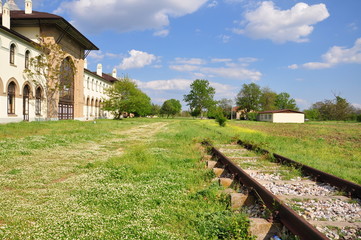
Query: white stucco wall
(288, 118)
(94, 89)
(14, 73)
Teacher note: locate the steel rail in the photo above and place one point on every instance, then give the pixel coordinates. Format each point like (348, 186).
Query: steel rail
(289, 218)
(353, 189)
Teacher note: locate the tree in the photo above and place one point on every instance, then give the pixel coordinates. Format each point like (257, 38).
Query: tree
(200, 97)
(171, 107)
(155, 109)
(267, 99)
(47, 70)
(226, 106)
(124, 96)
(248, 98)
(283, 101)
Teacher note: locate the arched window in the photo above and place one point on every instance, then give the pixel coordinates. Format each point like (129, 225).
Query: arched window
(26, 95)
(88, 83)
(38, 101)
(66, 93)
(27, 59)
(92, 84)
(11, 98)
(12, 53)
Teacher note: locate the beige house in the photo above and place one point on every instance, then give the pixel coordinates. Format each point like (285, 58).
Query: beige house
(282, 116)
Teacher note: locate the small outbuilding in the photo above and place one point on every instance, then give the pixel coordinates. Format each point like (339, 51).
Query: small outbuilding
(282, 116)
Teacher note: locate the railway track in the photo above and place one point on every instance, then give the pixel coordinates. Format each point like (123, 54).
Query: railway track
(309, 203)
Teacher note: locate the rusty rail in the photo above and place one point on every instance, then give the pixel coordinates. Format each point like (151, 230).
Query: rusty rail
(353, 189)
(289, 218)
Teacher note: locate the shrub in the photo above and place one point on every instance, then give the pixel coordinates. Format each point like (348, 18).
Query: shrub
(221, 120)
(252, 116)
(358, 118)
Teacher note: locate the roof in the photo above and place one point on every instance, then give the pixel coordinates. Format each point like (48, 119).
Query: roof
(281, 111)
(105, 76)
(19, 18)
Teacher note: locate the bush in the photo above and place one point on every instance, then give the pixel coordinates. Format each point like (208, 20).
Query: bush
(358, 118)
(252, 116)
(221, 120)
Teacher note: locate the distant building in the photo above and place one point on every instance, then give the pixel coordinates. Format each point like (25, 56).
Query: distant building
(282, 116)
(24, 100)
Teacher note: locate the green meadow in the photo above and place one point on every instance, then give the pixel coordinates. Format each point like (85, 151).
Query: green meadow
(143, 178)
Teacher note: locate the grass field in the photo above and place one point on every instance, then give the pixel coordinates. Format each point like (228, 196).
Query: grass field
(142, 178)
(130, 179)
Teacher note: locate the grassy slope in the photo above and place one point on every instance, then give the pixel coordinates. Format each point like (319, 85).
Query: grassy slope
(333, 147)
(131, 179)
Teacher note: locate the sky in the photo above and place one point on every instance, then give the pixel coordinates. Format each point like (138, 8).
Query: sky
(309, 49)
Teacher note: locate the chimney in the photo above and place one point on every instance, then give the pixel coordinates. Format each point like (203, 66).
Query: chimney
(100, 70)
(28, 7)
(85, 64)
(114, 73)
(6, 16)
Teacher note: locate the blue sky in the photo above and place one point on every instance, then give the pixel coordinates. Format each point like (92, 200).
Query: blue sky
(310, 49)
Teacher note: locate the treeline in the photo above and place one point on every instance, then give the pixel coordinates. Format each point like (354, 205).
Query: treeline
(126, 97)
(338, 109)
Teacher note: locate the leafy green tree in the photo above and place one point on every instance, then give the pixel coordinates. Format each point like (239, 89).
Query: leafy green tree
(171, 107)
(248, 98)
(200, 97)
(125, 96)
(312, 114)
(337, 109)
(284, 101)
(155, 109)
(268, 99)
(226, 106)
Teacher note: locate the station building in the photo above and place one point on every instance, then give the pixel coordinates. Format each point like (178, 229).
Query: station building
(24, 100)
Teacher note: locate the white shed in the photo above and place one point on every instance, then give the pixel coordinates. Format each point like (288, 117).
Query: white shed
(282, 116)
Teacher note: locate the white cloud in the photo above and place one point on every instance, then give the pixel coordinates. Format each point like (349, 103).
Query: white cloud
(161, 33)
(356, 105)
(225, 38)
(233, 73)
(172, 84)
(221, 60)
(184, 68)
(233, 70)
(123, 16)
(336, 55)
(222, 90)
(137, 59)
(212, 4)
(293, 66)
(194, 61)
(97, 55)
(280, 26)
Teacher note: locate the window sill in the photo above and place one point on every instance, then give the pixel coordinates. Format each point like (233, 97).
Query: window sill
(12, 115)
(13, 65)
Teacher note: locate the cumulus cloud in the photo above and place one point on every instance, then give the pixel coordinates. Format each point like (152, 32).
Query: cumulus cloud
(137, 59)
(212, 4)
(123, 16)
(280, 26)
(233, 73)
(335, 56)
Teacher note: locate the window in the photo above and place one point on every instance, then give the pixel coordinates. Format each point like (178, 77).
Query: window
(27, 59)
(11, 98)
(38, 101)
(88, 82)
(12, 53)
